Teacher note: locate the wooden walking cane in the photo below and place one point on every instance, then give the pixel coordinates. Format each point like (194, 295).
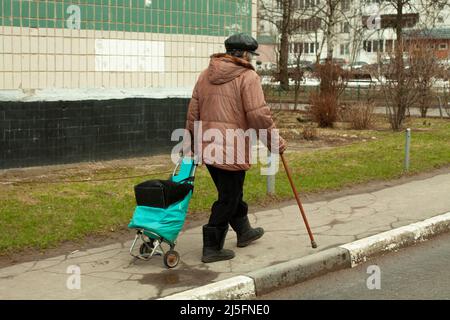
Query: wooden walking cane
(294, 190)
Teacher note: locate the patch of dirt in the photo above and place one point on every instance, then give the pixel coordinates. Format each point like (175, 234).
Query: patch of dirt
(86, 170)
(292, 123)
(27, 199)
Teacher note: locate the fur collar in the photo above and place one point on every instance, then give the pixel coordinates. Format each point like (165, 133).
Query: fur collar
(238, 61)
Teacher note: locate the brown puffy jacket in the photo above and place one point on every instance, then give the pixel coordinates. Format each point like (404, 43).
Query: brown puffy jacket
(228, 95)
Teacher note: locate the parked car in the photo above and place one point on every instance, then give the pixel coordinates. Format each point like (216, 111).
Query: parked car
(356, 65)
(306, 69)
(339, 61)
(303, 64)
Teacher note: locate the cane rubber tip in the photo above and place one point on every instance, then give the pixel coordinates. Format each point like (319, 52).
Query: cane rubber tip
(313, 244)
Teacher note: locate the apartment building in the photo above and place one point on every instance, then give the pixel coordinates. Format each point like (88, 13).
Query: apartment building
(362, 29)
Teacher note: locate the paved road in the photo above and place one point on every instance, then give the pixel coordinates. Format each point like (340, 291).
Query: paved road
(419, 272)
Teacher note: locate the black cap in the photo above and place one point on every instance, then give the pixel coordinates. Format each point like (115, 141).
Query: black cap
(241, 42)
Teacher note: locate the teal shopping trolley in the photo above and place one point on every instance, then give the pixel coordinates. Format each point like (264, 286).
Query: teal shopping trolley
(161, 223)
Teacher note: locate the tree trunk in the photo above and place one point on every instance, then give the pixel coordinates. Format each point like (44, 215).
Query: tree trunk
(325, 81)
(399, 114)
(330, 26)
(284, 56)
(329, 45)
(423, 112)
(284, 44)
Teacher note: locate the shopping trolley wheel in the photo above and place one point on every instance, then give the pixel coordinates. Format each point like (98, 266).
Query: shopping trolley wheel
(171, 259)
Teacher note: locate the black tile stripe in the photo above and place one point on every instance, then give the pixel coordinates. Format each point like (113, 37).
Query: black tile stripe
(57, 132)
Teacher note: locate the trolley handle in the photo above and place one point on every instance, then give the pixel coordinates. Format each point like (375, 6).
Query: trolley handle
(180, 160)
(176, 167)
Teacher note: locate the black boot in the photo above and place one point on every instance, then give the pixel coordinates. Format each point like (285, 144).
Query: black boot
(245, 233)
(213, 241)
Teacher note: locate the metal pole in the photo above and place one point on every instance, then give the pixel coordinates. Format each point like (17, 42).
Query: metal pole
(270, 179)
(271, 184)
(440, 106)
(407, 147)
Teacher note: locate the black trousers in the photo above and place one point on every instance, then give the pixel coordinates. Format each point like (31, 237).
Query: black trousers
(229, 204)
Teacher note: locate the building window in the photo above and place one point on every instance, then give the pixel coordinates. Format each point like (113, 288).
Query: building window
(443, 46)
(345, 5)
(389, 45)
(345, 27)
(305, 4)
(367, 45)
(307, 25)
(345, 48)
(374, 45)
(295, 47)
(305, 47)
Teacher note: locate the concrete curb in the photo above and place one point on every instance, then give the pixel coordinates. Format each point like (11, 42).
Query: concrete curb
(364, 249)
(235, 288)
(349, 255)
(298, 270)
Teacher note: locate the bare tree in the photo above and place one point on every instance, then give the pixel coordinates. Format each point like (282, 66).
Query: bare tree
(400, 90)
(325, 103)
(297, 75)
(288, 17)
(331, 14)
(424, 69)
(418, 77)
(284, 15)
(330, 10)
(357, 31)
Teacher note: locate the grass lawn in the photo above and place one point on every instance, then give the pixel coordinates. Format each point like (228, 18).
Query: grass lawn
(41, 214)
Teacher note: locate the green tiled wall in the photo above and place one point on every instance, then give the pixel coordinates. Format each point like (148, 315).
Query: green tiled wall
(197, 17)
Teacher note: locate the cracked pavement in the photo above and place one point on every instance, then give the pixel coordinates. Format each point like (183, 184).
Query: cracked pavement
(110, 272)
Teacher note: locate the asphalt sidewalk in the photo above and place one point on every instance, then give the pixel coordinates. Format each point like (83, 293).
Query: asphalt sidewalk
(111, 273)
